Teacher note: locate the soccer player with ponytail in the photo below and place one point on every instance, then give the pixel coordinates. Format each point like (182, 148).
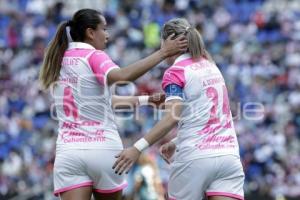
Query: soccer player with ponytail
(79, 74)
(206, 151)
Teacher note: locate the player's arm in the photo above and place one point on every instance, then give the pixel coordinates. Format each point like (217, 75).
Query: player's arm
(173, 109)
(167, 150)
(169, 121)
(122, 102)
(137, 69)
(129, 156)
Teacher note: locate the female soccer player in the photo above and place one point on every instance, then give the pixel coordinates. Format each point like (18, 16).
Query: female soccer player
(207, 158)
(80, 74)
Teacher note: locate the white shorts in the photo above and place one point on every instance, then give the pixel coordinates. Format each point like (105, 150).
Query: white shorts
(76, 168)
(214, 176)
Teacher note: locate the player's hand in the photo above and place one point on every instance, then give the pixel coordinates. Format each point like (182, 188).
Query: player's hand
(171, 47)
(125, 160)
(167, 151)
(157, 99)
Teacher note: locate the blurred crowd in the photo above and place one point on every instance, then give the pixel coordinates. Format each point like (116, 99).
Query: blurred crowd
(255, 43)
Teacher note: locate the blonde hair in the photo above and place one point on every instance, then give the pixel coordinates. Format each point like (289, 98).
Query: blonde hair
(180, 26)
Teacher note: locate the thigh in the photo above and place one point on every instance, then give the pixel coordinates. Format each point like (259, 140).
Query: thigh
(220, 198)
(189, 180)
(99, 168)
(82, 193)
(109, 196)
(69, 173)
(229, 181)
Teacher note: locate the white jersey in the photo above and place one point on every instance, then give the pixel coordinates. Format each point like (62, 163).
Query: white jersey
(206, 126)
(83, 100)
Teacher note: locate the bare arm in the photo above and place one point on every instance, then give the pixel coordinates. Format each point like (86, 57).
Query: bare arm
(119, 102)
(163, 127)
(137, 69)
(128, 156)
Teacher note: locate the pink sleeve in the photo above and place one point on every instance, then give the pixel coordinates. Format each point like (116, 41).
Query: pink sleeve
(173, 75)
(101, 64)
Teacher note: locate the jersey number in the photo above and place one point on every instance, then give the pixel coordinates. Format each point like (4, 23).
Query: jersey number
(69, 104)
(214, 118)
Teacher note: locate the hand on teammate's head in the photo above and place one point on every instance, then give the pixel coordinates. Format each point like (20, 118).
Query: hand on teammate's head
(170, 46)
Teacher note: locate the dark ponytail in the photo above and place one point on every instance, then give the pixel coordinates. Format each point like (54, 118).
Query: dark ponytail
(82, 20)
(53, 57)
(181, 26)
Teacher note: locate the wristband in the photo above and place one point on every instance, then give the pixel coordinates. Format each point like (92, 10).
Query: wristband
(143, 100)
(141, 144)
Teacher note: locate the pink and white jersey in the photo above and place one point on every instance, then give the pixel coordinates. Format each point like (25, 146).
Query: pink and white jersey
(83, 100)
(206, 126)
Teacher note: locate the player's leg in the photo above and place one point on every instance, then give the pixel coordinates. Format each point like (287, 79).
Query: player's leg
(82, 193)
(229, 180)
(107, 184)
(109, 196)
(189, 180)
(221, 198)
(71, 181)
